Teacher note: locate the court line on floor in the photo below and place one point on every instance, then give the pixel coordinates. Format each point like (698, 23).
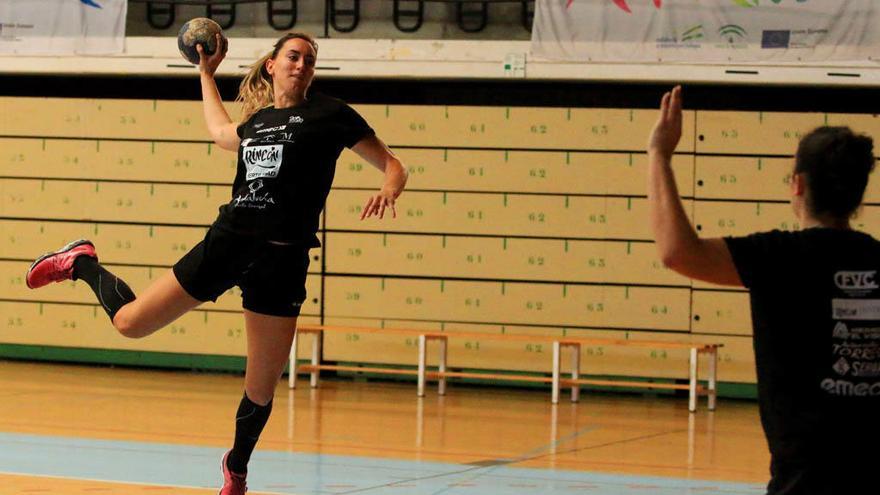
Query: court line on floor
(285, 473)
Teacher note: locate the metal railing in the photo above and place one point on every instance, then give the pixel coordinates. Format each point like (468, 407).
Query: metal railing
(471, 16)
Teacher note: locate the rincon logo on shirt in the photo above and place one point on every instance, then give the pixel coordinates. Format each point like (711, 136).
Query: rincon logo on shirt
(262, 161)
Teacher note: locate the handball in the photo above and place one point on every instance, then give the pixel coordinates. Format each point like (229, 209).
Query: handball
(198, 31)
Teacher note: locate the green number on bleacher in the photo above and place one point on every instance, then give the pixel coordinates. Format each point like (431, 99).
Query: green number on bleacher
(659, 354)
(538, 217)
(659, 310)
(538, 129)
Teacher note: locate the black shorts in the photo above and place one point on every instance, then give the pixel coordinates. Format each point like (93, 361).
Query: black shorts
(272, 277)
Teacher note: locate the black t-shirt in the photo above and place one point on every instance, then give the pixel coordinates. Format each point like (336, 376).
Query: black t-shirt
(286, 162)
(815, 297)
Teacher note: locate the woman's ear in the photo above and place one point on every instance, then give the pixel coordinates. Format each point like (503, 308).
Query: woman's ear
(270, 66)
(798, 184)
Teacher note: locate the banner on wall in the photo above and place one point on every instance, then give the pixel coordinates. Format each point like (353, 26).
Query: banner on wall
(62, 27)
(707, 31)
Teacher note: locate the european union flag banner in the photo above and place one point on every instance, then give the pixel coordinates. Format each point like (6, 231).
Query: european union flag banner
(62, 27)
(707, 31)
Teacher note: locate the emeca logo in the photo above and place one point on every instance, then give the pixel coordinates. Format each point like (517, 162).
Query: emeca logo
(856, 280)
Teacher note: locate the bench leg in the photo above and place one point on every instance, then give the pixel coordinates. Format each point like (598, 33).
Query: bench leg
(692, 438)
(713, 378)
(555, 392)
(441, 384)
(575, 371)
(423, 344)
(692, 388)
(291, 378)
(316, 359)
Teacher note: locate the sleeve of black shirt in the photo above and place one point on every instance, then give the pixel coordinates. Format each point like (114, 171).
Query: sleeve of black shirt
(241, 127)
(353, 126)
(758, 255)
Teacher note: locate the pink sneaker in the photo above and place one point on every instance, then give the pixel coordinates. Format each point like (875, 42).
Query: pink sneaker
(58, 266)
(233, 483)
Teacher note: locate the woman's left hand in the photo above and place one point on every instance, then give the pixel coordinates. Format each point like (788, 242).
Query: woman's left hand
(378, 203)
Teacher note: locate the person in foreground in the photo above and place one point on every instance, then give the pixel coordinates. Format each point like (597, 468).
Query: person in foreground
(815, 302)
(287, 143)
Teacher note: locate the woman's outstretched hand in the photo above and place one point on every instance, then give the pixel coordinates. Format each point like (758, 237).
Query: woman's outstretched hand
(667, 131)
(378, 203)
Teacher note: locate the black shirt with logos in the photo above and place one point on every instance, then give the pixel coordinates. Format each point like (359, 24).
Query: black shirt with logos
(286, 163)
(815, 297)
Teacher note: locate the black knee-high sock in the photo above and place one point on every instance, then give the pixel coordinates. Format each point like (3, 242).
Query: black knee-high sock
(249, 422)
(112, 292)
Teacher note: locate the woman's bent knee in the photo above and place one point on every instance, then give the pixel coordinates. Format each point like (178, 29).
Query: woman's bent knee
(130, 326)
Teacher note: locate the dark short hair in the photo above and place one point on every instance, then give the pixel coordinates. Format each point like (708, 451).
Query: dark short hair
(836, 163)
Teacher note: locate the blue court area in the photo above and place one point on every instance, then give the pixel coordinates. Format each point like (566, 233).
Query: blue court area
(314, 474)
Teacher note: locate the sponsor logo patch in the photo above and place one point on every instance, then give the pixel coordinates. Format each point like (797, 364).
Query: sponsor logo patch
(262, 161)
(855, 309)
(272, 129)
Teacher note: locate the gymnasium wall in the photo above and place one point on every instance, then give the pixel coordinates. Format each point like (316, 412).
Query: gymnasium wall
(525, 213)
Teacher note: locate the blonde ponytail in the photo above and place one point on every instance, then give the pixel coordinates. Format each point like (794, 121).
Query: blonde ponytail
(255, 91)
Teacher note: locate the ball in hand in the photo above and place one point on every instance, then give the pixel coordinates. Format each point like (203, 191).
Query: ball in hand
(198, 31)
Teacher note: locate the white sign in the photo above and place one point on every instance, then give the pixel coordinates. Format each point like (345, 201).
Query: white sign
(62, 27)
(707, 31)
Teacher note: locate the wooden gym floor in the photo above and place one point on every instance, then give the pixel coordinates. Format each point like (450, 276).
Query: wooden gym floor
(79, 429)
